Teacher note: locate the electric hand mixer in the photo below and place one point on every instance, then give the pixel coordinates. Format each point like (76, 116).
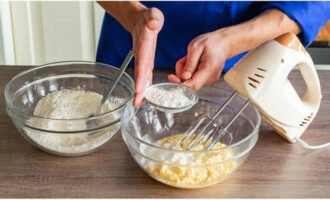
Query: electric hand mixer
(261, 76)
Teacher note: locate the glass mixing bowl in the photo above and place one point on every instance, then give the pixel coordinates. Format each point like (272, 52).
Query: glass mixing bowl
(151, 137)
(66, 137)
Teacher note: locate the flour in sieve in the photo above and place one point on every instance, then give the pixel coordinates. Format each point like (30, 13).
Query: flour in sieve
(174, 98)
(71, 104)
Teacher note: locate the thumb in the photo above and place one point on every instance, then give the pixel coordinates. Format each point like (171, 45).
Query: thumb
(199, 78)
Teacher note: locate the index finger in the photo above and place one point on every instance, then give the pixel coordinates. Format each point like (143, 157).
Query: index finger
(144, 63)
(145, 53)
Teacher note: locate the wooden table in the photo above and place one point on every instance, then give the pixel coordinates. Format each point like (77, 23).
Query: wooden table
(274, 168)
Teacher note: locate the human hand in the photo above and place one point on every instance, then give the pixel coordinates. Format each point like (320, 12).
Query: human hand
(204, 61)
(144, 34)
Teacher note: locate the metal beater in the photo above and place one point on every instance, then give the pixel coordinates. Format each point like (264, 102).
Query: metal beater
(209, 129)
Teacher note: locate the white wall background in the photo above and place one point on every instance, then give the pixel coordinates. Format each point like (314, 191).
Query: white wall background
(2, 53)
(35, 32)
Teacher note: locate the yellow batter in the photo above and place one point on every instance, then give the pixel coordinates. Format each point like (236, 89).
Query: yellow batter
(206, 169)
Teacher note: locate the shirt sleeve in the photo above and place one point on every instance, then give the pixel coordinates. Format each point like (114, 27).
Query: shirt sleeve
(310, 16)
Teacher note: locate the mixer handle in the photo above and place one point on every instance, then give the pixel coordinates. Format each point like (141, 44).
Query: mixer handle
(307, 69)
(312, 96)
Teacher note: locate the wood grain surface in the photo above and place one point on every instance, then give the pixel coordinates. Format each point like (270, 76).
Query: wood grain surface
(274, 168)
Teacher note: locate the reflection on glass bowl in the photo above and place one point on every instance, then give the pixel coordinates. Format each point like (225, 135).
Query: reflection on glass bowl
(66, 137)
(151, 137)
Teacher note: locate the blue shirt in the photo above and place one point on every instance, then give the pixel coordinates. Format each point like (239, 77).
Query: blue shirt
(186, 20)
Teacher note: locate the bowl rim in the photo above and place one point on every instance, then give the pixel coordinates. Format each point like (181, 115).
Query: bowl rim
(233, 158)
(252, 133)
(53, 64)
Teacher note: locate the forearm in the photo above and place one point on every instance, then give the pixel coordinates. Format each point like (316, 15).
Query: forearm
(124, 12)
(248, 35)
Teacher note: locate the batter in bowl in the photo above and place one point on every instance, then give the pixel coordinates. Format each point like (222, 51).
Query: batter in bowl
(191, 170)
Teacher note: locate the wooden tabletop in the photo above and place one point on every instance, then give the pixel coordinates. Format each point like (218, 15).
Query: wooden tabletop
(274, 168)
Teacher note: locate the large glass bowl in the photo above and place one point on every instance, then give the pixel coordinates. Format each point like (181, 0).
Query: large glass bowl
(66, 137)
(151, 134)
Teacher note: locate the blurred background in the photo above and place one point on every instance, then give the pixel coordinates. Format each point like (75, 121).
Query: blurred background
(33, 33)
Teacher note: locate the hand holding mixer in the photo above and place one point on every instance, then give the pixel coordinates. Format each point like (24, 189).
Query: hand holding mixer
(261, 76)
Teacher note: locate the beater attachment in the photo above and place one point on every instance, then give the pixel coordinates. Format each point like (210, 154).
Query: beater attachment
(204, 132)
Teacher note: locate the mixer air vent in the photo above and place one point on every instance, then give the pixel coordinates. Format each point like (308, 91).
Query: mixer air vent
(258, 75)
(261, 69)
(254, 82)
(252, 85)
(306, 120)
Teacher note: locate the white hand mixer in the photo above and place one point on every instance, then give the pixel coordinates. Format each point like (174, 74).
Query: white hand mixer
(261, 76)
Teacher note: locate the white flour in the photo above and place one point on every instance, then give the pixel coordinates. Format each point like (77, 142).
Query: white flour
(68, 104)
(174, 98)
(71, 104)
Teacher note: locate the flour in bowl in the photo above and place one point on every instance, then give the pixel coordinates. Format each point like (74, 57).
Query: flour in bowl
(71, 104)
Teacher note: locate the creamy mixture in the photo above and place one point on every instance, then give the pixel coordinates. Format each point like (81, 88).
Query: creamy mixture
(189, 170)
